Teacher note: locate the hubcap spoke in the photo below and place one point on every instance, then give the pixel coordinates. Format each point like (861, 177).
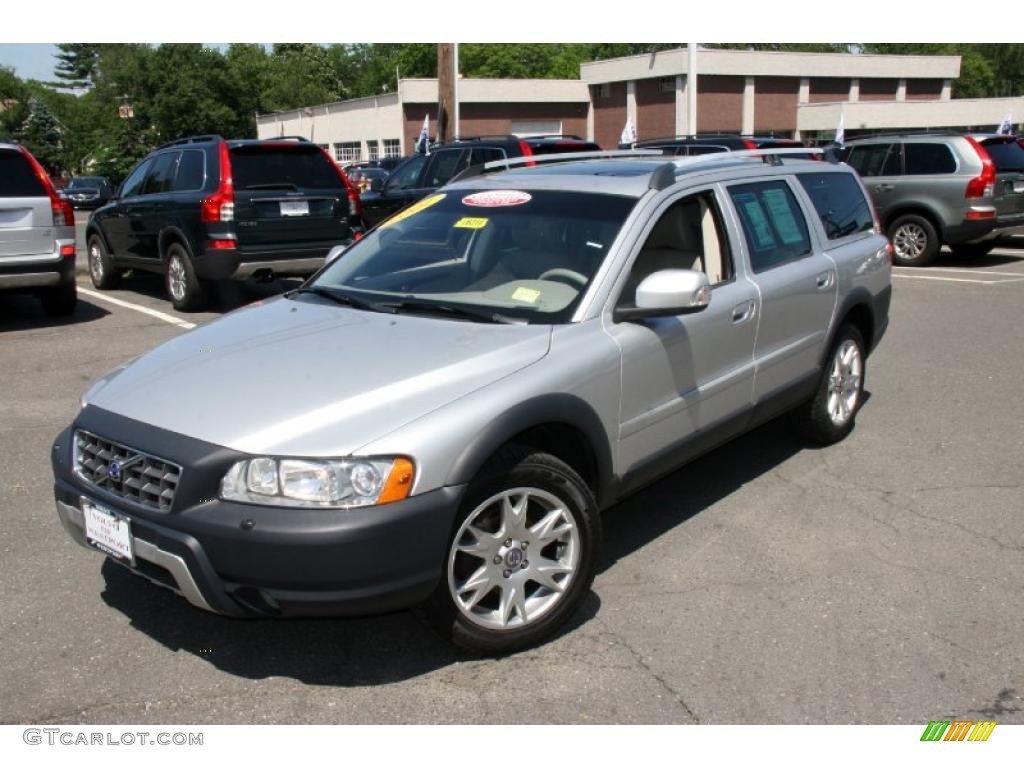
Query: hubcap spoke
(479, 584)
(552, 527)
(513, 514)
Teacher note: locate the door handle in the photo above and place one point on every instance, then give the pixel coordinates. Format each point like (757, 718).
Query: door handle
(825, 280)
(884, 187)
(743, 312)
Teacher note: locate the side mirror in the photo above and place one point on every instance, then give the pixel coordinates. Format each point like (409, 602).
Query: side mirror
(668, 292)
(376, 185)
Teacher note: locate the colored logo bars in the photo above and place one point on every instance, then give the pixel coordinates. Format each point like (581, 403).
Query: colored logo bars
(959, 730)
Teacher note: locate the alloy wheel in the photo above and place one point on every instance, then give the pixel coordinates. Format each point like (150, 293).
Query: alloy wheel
(909, 241)
(176, 278)
(513, 559)
(844, 382)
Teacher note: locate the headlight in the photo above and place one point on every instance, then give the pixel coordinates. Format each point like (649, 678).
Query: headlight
(318, 483)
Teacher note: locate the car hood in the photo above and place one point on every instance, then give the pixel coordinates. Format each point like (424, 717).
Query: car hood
(312, 379)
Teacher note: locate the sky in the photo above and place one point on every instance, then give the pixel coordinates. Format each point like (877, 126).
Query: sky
(31, 61)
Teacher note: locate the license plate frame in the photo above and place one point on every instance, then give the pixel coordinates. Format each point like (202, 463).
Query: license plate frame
(108, 532)
(294, 207)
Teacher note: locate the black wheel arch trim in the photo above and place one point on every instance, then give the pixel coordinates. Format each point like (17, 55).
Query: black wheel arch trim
(561, 408)
(875, 306)
(172, 234)
(93, 228)
(915, 208)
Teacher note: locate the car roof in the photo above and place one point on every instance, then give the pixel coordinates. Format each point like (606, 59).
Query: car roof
(626, 176)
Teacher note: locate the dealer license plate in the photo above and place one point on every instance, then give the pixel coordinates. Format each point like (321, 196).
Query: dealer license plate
(295, 208)
(107, 531)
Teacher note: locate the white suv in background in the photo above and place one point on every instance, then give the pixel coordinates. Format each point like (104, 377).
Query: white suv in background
(37, 233)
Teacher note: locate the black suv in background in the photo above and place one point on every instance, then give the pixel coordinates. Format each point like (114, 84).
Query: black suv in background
(708, 144)
(205, 208)
(422, 174)
(87, 191)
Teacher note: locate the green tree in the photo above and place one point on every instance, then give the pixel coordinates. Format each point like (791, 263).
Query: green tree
(77, 64)
(41, 134)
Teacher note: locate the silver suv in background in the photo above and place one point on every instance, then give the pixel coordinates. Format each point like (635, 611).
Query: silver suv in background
(931, 189)
(442, 413)
(37, 233)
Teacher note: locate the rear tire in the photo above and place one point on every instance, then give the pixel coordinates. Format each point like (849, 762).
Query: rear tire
(830, 415)
(104, 274)
(914, 240)
(61, 300)
(973, 250)
(184, 288)
(528, 535)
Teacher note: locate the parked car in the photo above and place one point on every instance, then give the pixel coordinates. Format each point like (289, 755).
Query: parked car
(422, 174)
(709, 144)
(366, 179)
(442, 413)
(384, 163)
(931, 189)
(205, 208)
(37, 233)
(87, 191)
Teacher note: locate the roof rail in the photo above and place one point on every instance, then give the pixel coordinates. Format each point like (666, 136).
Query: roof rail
(553, 136)
(768, 156)
(285, 138)
(898, 134)
(192, 140)
(555, 157)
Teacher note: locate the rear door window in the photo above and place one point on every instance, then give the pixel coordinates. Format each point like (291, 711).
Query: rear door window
(17, 179)
(486, 155)
(161, 174)
(773, 224)
(277, 166)
(875, 159)
(1007, 155)
(923, 159)
(840, 203)
(191, 171)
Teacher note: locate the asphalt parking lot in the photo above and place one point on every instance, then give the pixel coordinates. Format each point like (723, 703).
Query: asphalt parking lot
(876, 581)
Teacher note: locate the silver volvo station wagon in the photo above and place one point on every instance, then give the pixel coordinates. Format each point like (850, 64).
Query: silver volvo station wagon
(440, 415)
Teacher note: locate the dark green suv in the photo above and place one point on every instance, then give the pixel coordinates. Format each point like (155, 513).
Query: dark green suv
(204, 209)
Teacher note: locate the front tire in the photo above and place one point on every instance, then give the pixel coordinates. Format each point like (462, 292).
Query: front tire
(521, 557)
(187, 292)
(914, 240)
(830, 415)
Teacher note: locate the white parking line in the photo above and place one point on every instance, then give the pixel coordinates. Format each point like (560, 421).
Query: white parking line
(139, 308)
(956, 279)
(959, 269)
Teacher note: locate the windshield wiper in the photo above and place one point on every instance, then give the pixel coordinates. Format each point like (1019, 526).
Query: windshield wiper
(345, 299)
(454, 310)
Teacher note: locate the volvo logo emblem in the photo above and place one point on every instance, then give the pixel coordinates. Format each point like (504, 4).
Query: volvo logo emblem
(513, 558)
(114, 471)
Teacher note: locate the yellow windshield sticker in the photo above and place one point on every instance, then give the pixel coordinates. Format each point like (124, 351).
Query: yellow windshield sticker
(528, 295)
(412, 210)
(471, 222)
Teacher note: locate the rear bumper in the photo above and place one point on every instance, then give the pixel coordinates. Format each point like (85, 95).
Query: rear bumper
(46, 270)
(240, 263)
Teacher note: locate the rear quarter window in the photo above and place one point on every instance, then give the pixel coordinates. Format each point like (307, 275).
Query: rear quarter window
(840, 203)
(922, 159)
(17, 179)
(300, 166)
(874, 159)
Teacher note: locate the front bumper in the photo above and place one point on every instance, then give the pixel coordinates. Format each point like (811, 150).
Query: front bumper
(248, 560)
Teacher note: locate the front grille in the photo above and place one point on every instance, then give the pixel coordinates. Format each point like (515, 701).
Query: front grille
(125, 472)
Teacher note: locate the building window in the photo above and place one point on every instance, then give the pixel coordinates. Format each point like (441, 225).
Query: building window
(604, 91)
(373, 150)
(392, 148)
(347, 151)
(667, 85)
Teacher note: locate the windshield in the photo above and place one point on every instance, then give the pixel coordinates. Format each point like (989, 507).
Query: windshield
(85, 181)
(527, 256)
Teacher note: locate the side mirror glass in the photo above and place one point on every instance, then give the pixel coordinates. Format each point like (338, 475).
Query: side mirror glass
(668, 292)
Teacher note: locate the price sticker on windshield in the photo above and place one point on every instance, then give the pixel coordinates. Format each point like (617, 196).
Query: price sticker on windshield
(470, 222)
(496, 198)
